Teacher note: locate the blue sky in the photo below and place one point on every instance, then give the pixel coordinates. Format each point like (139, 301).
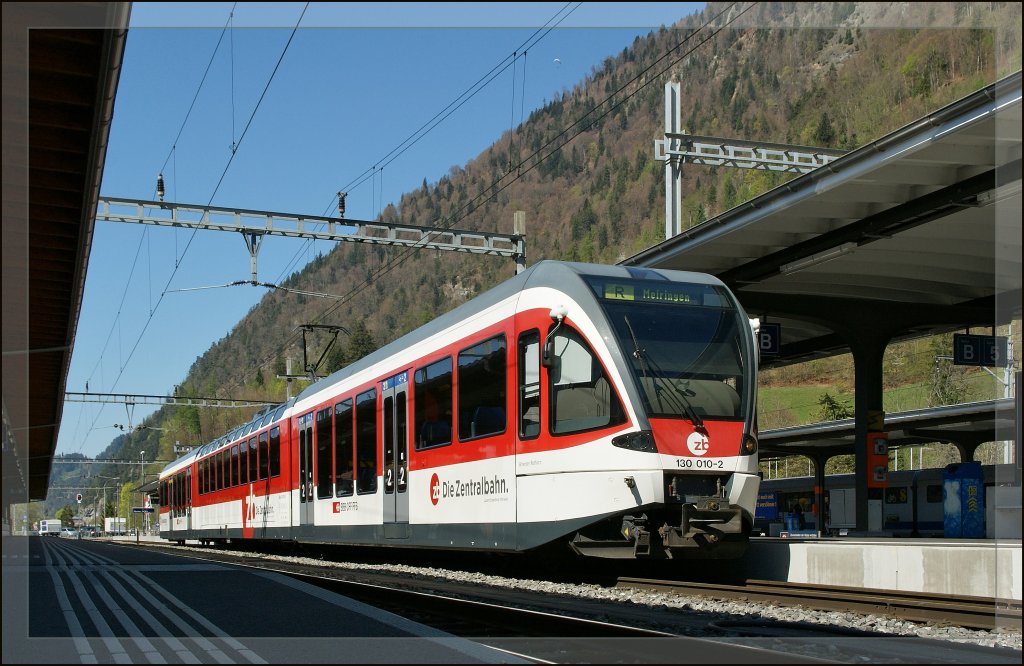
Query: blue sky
(355, 82)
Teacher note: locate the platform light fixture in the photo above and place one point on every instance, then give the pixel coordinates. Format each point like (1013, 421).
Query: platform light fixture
(817, 258)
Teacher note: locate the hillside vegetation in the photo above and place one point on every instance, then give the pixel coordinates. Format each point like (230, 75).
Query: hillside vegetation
(582, 169)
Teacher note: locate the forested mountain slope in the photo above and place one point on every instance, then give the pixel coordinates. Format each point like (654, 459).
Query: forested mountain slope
(822, 74)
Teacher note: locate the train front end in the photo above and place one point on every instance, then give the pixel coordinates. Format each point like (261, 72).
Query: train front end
(686, 353)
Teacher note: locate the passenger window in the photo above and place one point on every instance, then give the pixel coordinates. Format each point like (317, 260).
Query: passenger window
(343, 448)
(234, 465)
(433, 397)
(482, 373)
(366, 442)
(582, 398)
(324, 446)
(243, 463)
(529, 384)
(275, 452)
(253, 460)
(264, 457)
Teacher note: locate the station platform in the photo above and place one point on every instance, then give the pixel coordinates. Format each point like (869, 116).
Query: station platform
(92, 601)
(975, 567)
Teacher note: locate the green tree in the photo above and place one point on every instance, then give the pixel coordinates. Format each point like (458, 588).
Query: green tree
(825, 133)
(360, 343)
(66, 515)
(127, 496)
(832, 409)
(948, 382)
(335, 358)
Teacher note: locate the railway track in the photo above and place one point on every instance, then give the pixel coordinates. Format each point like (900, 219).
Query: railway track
(963, 611)
(553, 627)
(556, 635)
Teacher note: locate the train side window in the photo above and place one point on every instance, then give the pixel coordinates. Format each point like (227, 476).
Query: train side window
(243, 463)
(264, 456)
(366, 442)
(433, 399)
(275, 451)
(324, 445)
(343, 448)
(220, 470)
(582, 398)
(482, 373)
(234, 465)
(529, 384)
(933, 493)
(253, 461)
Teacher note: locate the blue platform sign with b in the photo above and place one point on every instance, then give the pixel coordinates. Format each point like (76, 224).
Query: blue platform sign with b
(986, 350)
(769, 339)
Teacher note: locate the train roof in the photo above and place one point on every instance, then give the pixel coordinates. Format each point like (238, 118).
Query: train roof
(561, 275)
(261, 418)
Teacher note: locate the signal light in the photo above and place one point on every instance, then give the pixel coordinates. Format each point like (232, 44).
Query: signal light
(749, 444)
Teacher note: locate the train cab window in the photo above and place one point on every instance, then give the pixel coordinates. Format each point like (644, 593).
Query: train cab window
(482, 372)
(253, 461)
(264, 457)
(275, 451)
(343, 448)
(433, 400)
(366, 442)
(234, 465)
(582, 398)
(324, 463)
(529, 384)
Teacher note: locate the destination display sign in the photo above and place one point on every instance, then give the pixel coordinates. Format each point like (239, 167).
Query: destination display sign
(623, 291)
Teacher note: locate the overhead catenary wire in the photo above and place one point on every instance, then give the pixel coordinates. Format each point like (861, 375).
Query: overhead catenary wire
(370, 172)
(220, 181)
(571, 131)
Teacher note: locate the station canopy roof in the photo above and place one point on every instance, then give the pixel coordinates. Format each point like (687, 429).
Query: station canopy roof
(918, 232)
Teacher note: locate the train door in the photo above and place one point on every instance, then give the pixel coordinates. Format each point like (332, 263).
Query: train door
(395, 449)
(528, 386)
(305, 470)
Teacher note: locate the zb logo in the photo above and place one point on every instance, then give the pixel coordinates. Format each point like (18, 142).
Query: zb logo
(435, 489)
(697, 443)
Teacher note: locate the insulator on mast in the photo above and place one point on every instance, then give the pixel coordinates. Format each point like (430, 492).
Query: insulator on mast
(160, 187)
(341, 203)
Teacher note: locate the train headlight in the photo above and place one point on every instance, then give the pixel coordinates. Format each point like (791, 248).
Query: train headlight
(749, 445)
(636, 441)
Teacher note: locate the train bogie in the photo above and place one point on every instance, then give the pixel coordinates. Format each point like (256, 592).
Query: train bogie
(605, 408)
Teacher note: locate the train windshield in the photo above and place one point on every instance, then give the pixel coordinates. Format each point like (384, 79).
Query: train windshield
(684, 344)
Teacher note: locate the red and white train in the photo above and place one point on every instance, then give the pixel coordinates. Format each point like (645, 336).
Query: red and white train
(608, 408)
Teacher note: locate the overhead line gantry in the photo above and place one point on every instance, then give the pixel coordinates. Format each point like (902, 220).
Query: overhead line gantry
(255, 224)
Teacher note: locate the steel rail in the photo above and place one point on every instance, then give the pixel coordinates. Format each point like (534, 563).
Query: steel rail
(959, 610)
